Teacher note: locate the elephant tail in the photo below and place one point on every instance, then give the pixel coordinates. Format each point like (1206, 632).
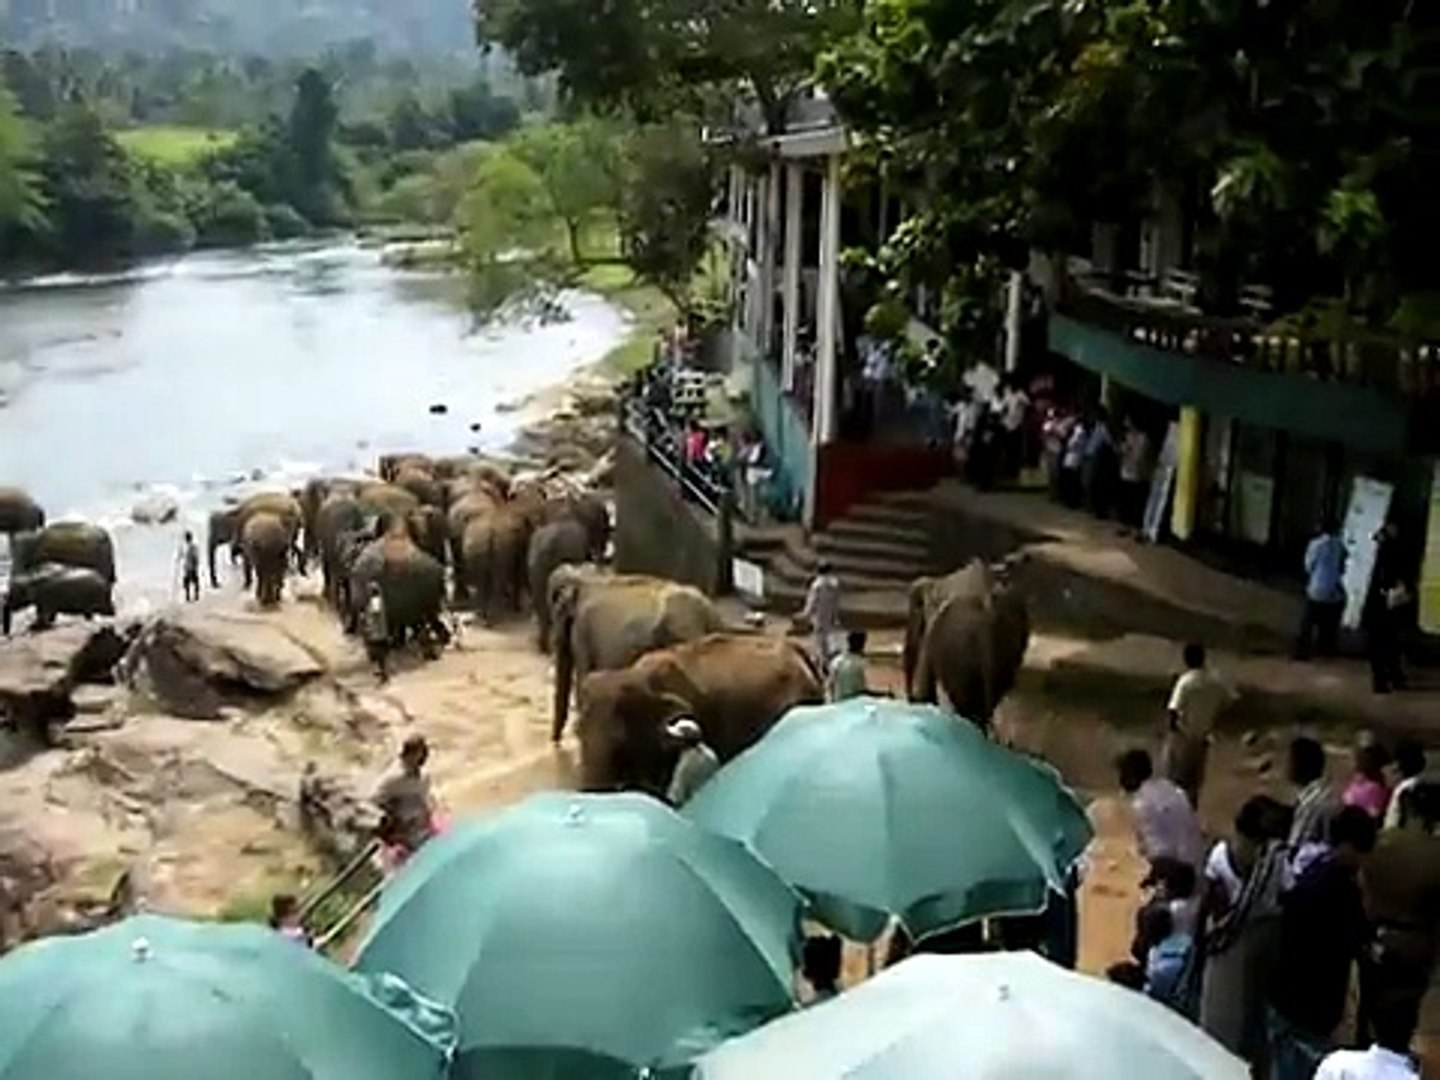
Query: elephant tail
(562, 630)
(810, 665)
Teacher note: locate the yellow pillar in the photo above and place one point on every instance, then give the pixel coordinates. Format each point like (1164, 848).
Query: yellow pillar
(1187, 474)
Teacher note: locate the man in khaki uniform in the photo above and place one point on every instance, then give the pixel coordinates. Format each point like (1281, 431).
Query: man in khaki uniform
(1198, 698)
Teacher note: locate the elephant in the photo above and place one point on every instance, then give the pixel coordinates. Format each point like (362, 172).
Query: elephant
(227, 525)
(312, 498)
(492, 560)
(428, 528)
(966, 634)
(340, 514)
(736, 686)
(422, 484)
(65, 543)
(601, 622)
(560, 543)
(386, 501)
(475, 502)
(590, 511)
(266, 540)
(19, 512)
(53, 589)
(411, 582)
(390, 466)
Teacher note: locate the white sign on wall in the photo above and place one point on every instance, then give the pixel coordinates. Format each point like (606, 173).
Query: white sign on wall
(1369, 504)
(749, 578)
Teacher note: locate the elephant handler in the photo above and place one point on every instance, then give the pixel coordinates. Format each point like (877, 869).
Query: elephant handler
(822, 610)
(375, 628)
(409, 814)
(696, 764)
(1196, 701)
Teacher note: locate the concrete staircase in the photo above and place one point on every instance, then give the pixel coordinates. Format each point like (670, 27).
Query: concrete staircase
(877, 549)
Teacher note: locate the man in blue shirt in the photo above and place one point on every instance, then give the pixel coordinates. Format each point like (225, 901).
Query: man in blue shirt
(1324, 593)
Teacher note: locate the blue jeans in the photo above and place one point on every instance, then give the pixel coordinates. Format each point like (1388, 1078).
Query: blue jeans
(1295, 1054)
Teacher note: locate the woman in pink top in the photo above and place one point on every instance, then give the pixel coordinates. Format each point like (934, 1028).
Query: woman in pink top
(1367, 788)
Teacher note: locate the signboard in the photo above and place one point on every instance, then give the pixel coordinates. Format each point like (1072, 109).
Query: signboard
(1369, 504)
(749, 578)
(1430, 566)
(1161, 484)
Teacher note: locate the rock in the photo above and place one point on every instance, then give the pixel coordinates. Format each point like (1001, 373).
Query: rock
(157, 510)
(39, 672)
(189, 663)
(337, 821)
(439, 409)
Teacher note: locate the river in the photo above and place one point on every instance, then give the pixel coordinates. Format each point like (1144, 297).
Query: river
(220, 373)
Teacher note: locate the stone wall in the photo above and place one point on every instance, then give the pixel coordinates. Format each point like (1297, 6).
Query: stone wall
(656, 530)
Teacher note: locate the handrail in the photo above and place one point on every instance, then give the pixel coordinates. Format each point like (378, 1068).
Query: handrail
(694, 484)
(1381, 361)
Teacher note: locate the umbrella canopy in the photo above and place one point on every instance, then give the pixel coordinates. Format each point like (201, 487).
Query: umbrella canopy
(153, 998)
(1000, 1016)
(587, 936)
(874, 807)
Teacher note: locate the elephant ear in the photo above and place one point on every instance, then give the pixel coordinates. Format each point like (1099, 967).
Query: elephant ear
(666, 677)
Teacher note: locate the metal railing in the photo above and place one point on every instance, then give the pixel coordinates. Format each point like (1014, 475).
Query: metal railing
(663, 441)
(1367, 358)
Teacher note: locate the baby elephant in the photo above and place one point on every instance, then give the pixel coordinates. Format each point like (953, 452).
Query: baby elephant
(57, 590)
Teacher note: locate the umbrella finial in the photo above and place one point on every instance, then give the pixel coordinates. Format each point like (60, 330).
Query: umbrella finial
(1002, 992)
(575, 815)
(140, 949)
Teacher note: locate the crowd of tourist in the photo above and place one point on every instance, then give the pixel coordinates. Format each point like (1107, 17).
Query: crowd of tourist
(1260, 935)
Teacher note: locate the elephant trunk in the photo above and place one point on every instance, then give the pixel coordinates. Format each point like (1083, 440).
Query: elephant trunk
(564, 673)
(5, 614)
(212, 543)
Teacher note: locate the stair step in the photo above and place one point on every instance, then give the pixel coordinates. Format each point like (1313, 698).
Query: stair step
(852, 579)
(900, 514)
(900, 563)
(914, 551)
(911, 498)
(877, 530)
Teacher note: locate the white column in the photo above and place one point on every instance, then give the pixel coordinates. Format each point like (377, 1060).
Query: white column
(827, 305)
(790, 286)
(767, 264)
(1013, 311)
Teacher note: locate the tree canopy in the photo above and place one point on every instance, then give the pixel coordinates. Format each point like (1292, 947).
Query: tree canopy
(1294, 135)
(649, 54)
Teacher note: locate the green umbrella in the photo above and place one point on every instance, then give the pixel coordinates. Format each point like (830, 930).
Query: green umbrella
(1003, 1016)
(588, 936)
(153, 998)
(874, 807)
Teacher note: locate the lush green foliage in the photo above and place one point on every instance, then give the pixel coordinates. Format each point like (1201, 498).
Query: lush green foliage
(1295, 138)
(650, 56)
(548, 203)
(81, 183)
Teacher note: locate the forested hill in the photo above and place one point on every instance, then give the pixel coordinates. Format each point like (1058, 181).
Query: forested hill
(267, 27)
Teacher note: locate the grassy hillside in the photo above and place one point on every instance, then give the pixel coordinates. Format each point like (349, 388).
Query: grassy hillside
(173, 145)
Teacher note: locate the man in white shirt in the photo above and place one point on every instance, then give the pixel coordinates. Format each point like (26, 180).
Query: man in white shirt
(1389, 1058)
(1165, 823)
(695, 766)
(1196, 702)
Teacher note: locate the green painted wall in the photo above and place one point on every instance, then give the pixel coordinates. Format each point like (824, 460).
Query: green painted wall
(1355, 416)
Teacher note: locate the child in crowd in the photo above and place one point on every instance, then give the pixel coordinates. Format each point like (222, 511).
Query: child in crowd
(1410, 764)
(847, 674)
(820, 967)
(1368, 788)
(285, 919)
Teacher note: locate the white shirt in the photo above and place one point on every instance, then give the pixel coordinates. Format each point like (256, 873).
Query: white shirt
(1373, 1064)
(966, 414)
(822, 604)
(1392, 810)
(1197, 699)
(1013, 406)
(1219, 869)
(1165, 823)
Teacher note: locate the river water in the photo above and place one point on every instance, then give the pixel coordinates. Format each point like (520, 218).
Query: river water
(222, 373)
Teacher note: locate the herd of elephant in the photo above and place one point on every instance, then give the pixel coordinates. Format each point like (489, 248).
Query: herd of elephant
(65, 568)
(399, 531)
(641, 652)
(633, 652)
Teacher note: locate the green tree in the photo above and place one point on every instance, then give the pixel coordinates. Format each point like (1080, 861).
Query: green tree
(21, 201)
(665, 211)
(90, 186)
(317, 187)
(578, 168)
(509, 233)
(646, 54)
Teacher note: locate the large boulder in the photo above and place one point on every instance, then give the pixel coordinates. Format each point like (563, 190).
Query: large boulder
(39, 672)
(190, 664)
(338, 821)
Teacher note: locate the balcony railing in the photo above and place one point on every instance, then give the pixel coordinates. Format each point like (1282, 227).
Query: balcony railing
(1367, 358)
